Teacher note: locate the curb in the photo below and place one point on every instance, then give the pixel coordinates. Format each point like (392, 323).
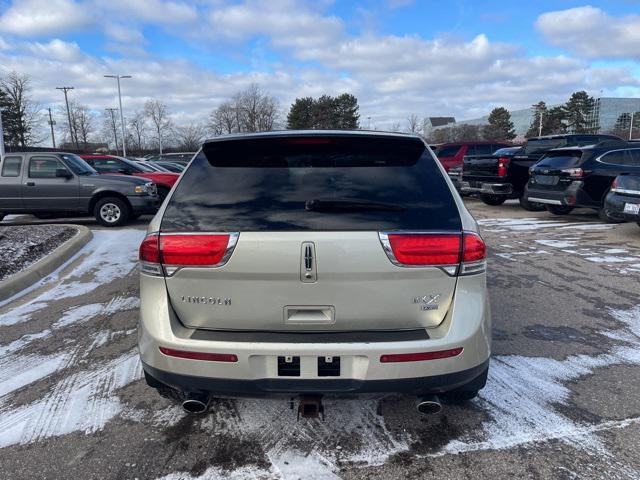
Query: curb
(46, 265)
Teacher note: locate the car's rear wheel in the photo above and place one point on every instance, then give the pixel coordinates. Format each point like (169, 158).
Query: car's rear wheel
(530, 206)
(607, 216)
(111, 212)
(558, 209)
(494, 200)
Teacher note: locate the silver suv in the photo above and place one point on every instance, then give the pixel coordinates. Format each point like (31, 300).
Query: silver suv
(311, 263)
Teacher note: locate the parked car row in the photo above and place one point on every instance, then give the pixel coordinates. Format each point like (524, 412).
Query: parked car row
(49, 184)
(557, 173)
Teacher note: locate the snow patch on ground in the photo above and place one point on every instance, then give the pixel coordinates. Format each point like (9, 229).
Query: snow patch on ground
(19, 371)
(108, 256)
(529, 224)
(522, 392)
(84, 401)
(213, 473)
(557, 243)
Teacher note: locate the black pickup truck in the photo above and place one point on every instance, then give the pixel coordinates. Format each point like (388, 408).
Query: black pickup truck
(505, 173)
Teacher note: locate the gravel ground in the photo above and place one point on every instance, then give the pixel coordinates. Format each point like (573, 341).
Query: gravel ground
(21, 246)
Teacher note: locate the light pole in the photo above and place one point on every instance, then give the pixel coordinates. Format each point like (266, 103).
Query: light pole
(66, 100)
(631, 126)
(1, 137)
(118, 77)
(51, 124)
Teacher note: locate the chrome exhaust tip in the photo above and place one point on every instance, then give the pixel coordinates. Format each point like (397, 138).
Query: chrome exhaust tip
(428, 405)
(196, 402)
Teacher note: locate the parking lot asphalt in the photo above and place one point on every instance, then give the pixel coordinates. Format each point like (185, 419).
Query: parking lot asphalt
(562, 400)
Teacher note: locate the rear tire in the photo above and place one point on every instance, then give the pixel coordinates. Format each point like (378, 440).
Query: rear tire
(558, 209)
(111, 212)
(530, 206)
(606, 217)
(493, 200)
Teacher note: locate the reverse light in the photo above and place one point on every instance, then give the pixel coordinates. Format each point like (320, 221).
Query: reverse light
(503, 166)
(419, 357)
(169, 252)
(209, 357)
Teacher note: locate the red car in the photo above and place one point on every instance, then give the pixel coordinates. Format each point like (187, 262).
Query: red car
(451, 154)
(110, 164)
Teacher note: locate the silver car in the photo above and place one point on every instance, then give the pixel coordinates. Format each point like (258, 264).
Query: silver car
(312, 263)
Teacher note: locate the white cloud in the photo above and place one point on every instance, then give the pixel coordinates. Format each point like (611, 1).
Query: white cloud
(152, 11)
(56, 50)
(31, 18)
(591, 32)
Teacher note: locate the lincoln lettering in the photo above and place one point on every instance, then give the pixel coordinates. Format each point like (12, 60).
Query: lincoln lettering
(206, 300)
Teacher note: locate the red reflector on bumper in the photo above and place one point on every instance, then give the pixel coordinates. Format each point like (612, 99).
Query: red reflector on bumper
(418, 357)
(210, 357)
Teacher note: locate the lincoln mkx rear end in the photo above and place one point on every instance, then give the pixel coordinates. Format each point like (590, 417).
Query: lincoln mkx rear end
(311, 264)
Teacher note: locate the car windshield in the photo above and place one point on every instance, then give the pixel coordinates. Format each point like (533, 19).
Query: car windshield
(78, 165)
(507, 151)
(145, 168)
(538, 145)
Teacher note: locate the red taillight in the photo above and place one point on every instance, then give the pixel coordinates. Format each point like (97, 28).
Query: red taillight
(210, 357)
(150, 249)
(503, 166)
(193, 250)
(574, 172)
(425, 249)
(419, 357)
(175, 250)
(474, 248)
(614, 184)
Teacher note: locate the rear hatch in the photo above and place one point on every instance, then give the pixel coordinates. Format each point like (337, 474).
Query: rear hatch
(557, 170)
(308, 211)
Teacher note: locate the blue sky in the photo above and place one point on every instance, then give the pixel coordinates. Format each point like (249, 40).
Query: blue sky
(399, 57)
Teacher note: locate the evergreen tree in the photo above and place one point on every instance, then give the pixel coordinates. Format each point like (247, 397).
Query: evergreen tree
(577, 110)
(325, 112)
(301, 114)
(500, 126)
(555, 122)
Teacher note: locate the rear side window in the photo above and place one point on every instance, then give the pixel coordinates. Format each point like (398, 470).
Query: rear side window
(561, 160)
(450, 151)
(622, 158)
(312, 183)
(11, 166)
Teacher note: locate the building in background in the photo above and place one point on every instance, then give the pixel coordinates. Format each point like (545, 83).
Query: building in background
(603, 117)
(431, 123)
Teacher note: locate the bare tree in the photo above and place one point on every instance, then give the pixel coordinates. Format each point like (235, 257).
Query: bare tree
(413, 124)
(395, 127)
(223, 120)
(249, 110)
(157, 113)
(190, 136)
(137, 131)
(83, 122)
(23, 114)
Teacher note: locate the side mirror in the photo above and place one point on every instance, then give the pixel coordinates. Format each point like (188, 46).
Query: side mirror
(63, 173)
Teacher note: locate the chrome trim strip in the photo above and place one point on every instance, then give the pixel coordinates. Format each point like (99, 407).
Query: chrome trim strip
(544, 200)
(625, 191)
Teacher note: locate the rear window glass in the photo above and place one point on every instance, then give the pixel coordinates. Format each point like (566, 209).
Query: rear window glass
(448, 151)
(11, 166)
(506, 151)
(312, 183)
(561, 160)
(544, 144)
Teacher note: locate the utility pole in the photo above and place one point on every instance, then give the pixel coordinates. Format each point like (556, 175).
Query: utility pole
(118, 77)
(74, 137)
(1, 137)
(540, 126)
(51, 124)
(631, 126)
(112, 111)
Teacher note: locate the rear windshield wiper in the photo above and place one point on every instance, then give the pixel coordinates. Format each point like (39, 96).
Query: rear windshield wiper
(318, 205)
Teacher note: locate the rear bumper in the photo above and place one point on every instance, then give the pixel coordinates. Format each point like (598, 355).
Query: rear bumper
(142, 204)
(467, 325)
(493, 188)
(572, 196)
(615, 204)
(470, 379)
